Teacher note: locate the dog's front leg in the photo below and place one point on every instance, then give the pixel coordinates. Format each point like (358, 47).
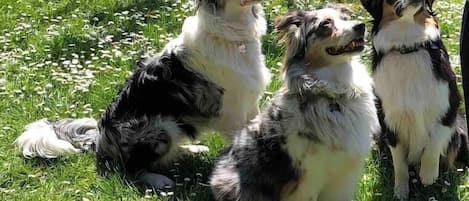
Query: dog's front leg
(430, 160)
(401, 172)
(429, 166)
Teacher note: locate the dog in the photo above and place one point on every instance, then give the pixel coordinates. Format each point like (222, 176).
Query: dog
(418, 98)
(209, 78)
(311, 141)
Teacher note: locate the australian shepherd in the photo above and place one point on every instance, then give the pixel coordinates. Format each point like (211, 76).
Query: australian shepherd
(311, 141)
(210, 77)
(418, 98)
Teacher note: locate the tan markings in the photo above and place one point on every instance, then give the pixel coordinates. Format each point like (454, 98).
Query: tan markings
(349, 168)
(425, 19)
(315, 59)
(451, 158)
(289, 188)
(389, 14)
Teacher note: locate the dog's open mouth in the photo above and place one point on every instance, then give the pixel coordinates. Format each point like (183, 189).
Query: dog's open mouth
(354, 46)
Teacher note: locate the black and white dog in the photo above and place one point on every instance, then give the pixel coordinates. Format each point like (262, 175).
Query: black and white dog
(311, 141)
(417, 91)
(210, 77)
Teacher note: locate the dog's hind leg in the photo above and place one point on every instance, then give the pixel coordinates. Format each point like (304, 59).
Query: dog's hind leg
(401, 171)
(430, 160)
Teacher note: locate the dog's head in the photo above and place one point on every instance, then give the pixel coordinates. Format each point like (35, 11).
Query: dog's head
(227, 7)
(395, 9)
(321, 38)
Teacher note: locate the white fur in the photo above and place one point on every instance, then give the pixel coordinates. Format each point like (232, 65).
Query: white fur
(403, 32)
(333, 166)
(39, 140)
(401, 171)
(414, 102)
(413, 99)
(195, 148)
(229, 54)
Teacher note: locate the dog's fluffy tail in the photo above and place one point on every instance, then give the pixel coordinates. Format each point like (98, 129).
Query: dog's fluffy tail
(48, 139)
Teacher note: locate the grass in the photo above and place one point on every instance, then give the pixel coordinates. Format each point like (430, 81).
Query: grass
(62, 58)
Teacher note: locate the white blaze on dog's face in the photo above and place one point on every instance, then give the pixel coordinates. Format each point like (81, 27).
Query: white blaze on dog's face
(324, 37)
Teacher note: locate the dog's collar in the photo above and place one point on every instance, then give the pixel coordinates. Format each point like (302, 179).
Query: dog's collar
(409, 49)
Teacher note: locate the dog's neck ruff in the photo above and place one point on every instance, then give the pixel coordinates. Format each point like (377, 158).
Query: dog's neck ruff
(403, 37)
(404, 49)
(408, 49)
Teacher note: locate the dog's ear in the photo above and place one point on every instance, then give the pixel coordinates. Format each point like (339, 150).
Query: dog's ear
(430, 2)
(428, 6)
(292, 20)
(374, 7)
(341, 8)
(290, 28)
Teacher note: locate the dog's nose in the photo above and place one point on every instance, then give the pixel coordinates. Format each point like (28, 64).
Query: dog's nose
(359, 28)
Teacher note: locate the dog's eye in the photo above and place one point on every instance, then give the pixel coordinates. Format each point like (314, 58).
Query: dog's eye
(345, 17)
(326, 23)
(325, 28)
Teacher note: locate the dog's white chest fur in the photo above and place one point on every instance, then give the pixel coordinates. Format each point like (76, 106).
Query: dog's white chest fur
(412, 97)
(403, 32)
(326, 173)
(231, 61)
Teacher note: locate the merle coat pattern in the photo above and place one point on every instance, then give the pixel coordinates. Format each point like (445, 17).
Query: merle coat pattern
(311, 140)
(208, 78)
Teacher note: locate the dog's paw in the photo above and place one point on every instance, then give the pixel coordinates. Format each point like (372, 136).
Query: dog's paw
(195, 149)
(157, 181)
(428, 175)
(401, 191)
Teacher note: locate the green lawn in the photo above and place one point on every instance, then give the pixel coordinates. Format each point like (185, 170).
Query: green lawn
(62, 58)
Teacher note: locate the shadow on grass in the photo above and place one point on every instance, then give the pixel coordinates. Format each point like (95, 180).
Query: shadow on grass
(445, 188)
(45, 163)
(191, 174)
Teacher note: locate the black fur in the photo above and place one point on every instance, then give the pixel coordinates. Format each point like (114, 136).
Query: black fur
(443, 71)
(263, 164)
(161, 90)
(464, 54)
(387, 136)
